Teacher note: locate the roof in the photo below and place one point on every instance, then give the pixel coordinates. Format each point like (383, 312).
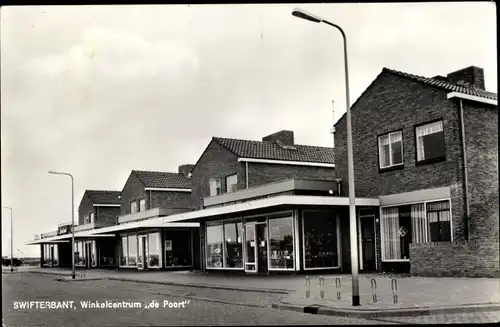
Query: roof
(103, 197)
(275, 151)
(445, 85)
(160, 179)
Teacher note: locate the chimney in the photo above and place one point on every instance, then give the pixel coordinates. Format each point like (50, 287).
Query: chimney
(284, 136)
(186, 170)
(470, 76)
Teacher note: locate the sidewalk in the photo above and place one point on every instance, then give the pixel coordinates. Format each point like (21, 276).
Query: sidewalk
(415, 295)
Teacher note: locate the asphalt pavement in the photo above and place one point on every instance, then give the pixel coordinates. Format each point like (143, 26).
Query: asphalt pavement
(205, 306)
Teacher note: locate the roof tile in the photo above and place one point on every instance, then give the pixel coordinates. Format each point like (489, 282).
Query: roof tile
(273, 151)
(163, 179)
(103, 197)
(448, 86)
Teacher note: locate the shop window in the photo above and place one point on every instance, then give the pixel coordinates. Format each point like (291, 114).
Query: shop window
(233, 249)
(178, 248)
(124, 251)
(132, 250)
(320, 240)
(154, 250)
(214, 246)
(94, 253)
(281, 239)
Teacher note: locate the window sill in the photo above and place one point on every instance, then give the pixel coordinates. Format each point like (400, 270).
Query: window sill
(391, 168)
(429, 161)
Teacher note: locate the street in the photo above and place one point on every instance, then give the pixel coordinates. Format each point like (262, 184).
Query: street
(216, 310)
(175, 305)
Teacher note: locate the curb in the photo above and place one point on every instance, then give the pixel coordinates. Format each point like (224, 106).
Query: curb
(229, 288)
(404, 312)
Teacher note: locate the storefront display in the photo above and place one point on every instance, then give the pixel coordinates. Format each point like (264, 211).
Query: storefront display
(178, 248)
(233, 232)
(281, 242)
(214, 246)
(320, 239)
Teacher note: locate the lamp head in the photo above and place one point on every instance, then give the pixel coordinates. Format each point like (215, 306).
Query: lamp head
(300, 13)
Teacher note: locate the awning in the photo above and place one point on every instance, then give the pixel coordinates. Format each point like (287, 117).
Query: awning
(67, 237)
(148, 223)
(290, 200)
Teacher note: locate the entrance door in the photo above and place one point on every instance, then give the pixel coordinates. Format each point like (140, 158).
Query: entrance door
(88, 255)
(250, 249)
(52, 255)
(261, 236)
(142, 255)
(368, 242)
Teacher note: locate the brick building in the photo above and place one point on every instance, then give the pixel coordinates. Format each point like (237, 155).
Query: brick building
(428, 149)
(426, 176)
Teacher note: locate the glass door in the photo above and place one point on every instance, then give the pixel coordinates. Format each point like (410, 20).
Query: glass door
(261, 237)
(142, 252)
(250, 249)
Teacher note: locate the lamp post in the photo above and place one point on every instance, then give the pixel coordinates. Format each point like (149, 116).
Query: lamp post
(350, 161)
(11, 240)
(72, 219)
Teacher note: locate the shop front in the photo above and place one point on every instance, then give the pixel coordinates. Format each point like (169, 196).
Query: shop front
(294, 240)
(160, 248)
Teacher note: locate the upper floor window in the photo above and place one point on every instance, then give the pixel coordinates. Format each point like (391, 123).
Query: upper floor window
(91, 218)
(430, 141)
(439, 217)
(142, 205)
(390, 149)
(86, 218)
(215, 186)
(133, 207)
(231, 183)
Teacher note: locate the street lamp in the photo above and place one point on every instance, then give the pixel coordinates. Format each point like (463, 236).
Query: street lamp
(72, 219)
(350, 161)
(11, 241)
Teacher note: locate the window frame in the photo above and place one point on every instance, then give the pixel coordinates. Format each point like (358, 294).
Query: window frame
(215, 179)
(338, 235)
(432, 160)
(438, 221)
(131, 204)
(243, 239)
(141, 201)
(91, 218)
(427, 236)
(226, 179)
(391, 166)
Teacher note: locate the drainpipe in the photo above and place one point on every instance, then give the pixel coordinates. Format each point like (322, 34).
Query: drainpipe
(246, 173)
(338, 180)
(466, 180)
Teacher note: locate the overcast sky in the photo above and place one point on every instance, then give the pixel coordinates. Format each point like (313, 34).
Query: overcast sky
(100, 90)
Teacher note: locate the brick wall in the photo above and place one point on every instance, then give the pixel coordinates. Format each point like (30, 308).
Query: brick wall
(462, 259)
(215, 162)
(261, 173)
(394, 103)
(107, 214)
(132, 191)
(167, 200)
(85, 207)
(481, 139)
